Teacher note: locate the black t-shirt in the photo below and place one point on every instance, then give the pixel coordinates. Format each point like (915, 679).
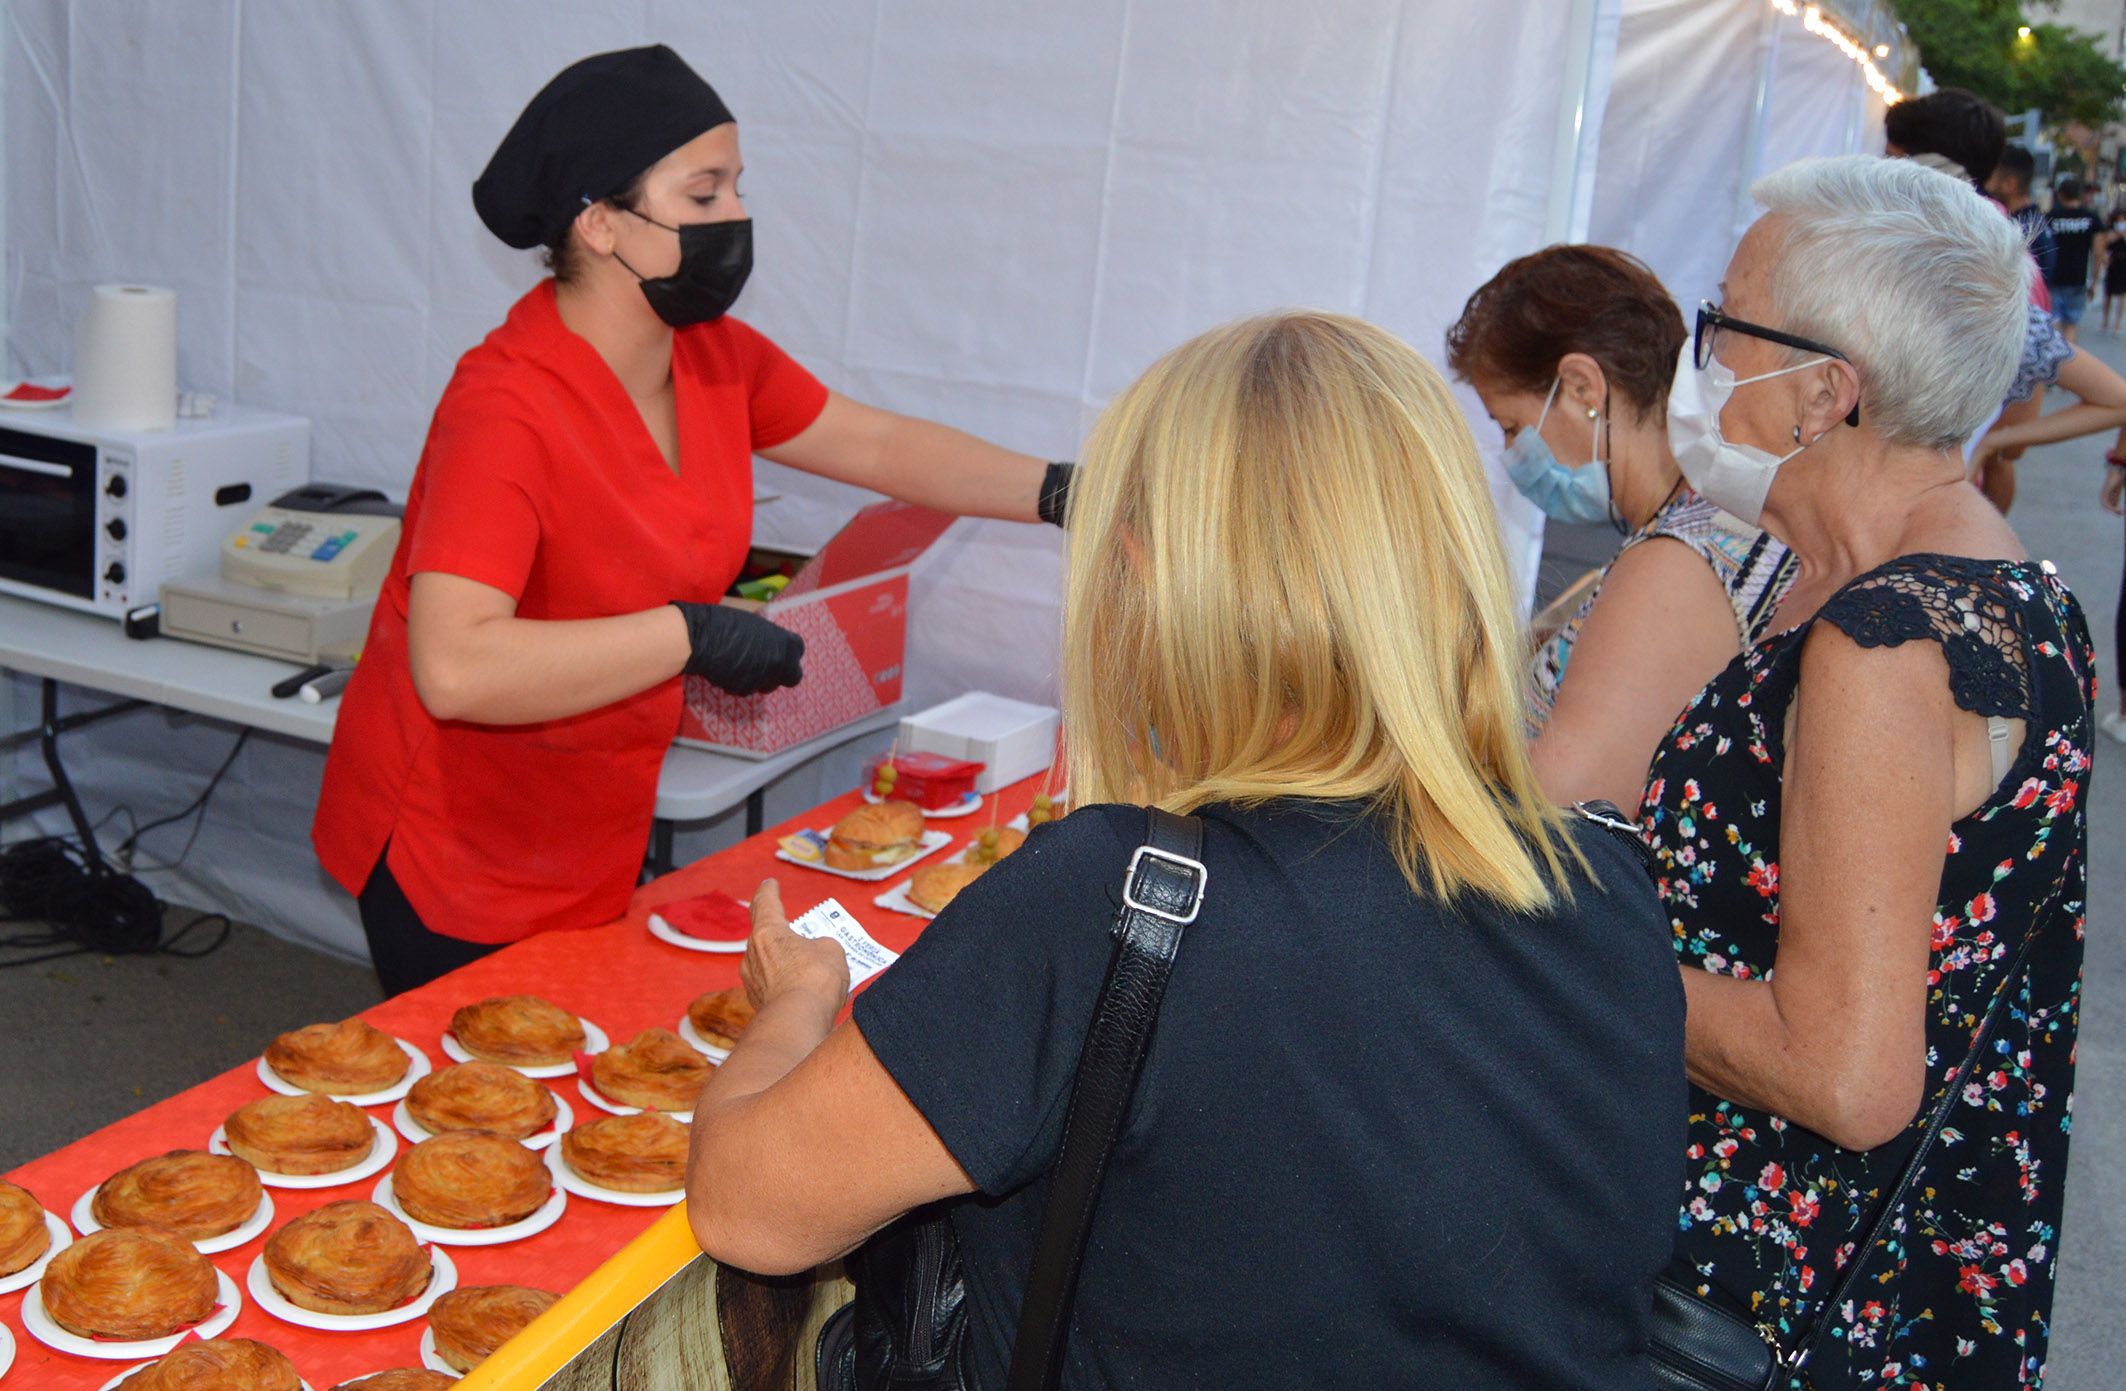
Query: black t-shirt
(1376, 1143)
(2074, 229)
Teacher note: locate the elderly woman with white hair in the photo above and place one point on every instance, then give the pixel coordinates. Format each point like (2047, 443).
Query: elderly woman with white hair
(1868, 828)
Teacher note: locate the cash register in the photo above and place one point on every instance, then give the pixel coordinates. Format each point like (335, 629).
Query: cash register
(298, 580)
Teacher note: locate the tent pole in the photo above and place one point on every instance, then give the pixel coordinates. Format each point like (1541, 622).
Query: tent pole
(1562, 215)
(1753, 134)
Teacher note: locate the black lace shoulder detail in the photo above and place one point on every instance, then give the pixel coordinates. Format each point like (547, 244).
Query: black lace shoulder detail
(1979, 611)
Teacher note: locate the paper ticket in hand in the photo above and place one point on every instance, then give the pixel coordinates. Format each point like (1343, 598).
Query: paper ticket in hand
(830, 920)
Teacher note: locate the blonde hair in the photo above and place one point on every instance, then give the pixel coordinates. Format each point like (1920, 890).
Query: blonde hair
(1285, 568)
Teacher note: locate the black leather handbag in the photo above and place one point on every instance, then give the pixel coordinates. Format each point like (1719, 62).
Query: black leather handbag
(906, 1328)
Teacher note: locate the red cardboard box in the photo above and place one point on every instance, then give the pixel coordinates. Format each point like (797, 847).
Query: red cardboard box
(850, 605)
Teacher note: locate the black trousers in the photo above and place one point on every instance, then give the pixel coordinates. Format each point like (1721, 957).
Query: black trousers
(405, 950)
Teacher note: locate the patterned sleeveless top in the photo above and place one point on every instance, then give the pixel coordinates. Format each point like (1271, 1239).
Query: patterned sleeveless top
(1754, 569)
(1959, 1293)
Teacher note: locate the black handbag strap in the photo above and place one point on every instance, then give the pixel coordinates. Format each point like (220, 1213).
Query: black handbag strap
(1160, 898)
(1799, 1358)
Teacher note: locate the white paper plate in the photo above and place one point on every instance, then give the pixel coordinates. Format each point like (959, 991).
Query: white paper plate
(40, 1326)
(7, 1349)
(583, 1188)
(117, 1381)
(84, 1218)
(931, 843)
(692, 1035)
(433, 1360)
(421, 1068)
(441, 1282)
(897, 899)
(594, 1041)
(966, 806)
(665, 932)
(62, 1237)
(387, 1144)
(564, 1117)
(544, 1216)
(605, 1103)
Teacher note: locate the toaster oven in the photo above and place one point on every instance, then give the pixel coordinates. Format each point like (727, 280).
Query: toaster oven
(96, 520)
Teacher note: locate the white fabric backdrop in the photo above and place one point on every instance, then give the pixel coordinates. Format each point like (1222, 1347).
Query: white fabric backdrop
(991, 213)
(1677, 153)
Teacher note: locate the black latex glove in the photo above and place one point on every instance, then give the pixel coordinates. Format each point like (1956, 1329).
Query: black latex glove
(741, 652)
(1055, 492)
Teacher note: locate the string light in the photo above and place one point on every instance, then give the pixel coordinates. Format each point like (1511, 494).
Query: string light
(1812, 20)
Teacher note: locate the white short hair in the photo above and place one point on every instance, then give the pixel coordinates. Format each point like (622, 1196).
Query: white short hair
(1912, 274)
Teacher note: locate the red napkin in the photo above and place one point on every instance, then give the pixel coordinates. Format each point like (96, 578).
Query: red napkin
(711, 917)
(28, 391)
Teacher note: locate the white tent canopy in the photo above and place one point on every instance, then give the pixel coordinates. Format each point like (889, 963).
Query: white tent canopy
(992, 214)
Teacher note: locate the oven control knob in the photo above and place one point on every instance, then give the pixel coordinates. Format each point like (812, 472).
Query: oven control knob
(116, 574)
(116, 526)
(116, 487)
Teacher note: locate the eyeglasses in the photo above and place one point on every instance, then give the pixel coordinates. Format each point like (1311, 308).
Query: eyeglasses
(1711, 321)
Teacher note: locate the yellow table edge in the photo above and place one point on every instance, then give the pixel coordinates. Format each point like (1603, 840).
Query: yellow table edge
(635, 1272)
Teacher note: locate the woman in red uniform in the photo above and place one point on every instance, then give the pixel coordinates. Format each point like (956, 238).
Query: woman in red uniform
(583, 501)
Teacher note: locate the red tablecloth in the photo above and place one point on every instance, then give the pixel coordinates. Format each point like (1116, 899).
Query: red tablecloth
(617, 976)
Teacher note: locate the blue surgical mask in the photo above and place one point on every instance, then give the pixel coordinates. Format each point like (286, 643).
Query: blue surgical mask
(1565, 494)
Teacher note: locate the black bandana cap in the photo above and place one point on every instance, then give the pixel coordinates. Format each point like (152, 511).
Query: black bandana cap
(587, 135)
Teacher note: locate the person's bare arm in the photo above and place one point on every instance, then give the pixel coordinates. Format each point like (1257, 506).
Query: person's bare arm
(803, 1145)
(1836, 1039)
(1660, 629)
(2100, 405)
(916, 461)
(474, 659)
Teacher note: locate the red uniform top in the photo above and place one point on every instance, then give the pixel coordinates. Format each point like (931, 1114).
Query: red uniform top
(540, 479)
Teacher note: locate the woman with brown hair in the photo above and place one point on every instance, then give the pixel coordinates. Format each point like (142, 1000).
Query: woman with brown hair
(1571, 350)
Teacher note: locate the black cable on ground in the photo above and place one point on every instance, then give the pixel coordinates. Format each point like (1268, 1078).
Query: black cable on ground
(91, 908)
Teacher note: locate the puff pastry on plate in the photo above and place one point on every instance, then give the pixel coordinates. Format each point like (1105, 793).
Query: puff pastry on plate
(481, 1096)
(128, 1284)
(655, 1070)
(23, 1237)
(400, 1379)
(520, 1029)
(645, 1153)
(469, 1178)
(190, 1193)
(934, 886)
(469, 1324)
(348, 1258)
(349, 1058)
(300, 1134)
(222, 1364)
(721, 1016)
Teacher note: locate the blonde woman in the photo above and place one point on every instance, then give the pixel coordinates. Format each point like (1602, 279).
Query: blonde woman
(1414, 1111)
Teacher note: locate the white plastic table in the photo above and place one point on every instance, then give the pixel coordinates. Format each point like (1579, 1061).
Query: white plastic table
(61, 645)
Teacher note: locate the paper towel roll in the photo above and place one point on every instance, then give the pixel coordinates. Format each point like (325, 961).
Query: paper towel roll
(125, 359)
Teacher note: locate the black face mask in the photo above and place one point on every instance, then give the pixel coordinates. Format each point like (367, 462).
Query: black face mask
(714, 260)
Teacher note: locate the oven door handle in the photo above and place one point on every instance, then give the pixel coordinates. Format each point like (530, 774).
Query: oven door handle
(37, 466)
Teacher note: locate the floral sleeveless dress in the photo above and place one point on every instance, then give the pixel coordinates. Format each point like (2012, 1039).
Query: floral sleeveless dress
(1959, 1294)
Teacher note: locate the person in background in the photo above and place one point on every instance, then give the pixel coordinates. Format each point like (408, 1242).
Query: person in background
(1412, 1048)
(1963, 136)
(1860, 825)
(2010, 187)
(2075, 226)
(1571, 350)
(2113, 497)
(2111, 269)
(584, 499)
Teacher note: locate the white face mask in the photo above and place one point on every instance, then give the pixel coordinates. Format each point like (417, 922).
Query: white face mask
(1732, 477)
